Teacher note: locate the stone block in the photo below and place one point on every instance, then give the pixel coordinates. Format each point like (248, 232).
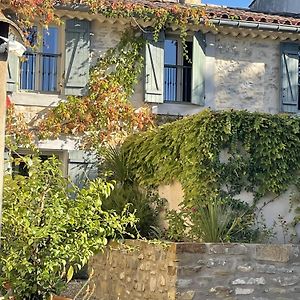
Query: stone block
(184, 283)
(190, 248)
(249, 281)
(288, 280)
(231, 249)
(245, 268)
(275, 253)
(243, 291)
(221, 290)
(189, 295)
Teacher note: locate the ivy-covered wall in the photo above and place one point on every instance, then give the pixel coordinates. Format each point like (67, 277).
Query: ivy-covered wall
(231, 156)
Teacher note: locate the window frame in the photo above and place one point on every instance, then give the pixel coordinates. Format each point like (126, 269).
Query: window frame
(179, 64)
(38, 66)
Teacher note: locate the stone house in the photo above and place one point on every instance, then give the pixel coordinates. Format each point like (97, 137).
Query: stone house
(247, 59)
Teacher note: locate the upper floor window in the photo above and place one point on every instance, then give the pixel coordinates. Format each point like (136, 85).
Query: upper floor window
(55, 62)
(39, 70)
(290, 77)
(175, 73)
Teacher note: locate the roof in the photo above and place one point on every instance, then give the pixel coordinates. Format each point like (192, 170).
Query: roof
(213, 12)
(219, 12)
(223, 12)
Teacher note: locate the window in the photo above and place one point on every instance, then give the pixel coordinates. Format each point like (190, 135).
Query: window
(21, 167)
(177, 71)
(290, 77)
(42, 68)
(39, 70)
(170, 75)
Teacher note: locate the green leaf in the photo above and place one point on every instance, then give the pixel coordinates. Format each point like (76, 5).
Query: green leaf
(70, 274)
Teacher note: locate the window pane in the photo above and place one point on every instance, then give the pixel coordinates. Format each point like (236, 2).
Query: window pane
(170, 70)
(187, 59)
(50, 40)
(49, 59)
(171, 50)
(187, 73)
(31, 35)
(170, 83)
(28, 65)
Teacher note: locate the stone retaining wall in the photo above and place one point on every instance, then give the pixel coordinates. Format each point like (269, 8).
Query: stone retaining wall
(140, 270)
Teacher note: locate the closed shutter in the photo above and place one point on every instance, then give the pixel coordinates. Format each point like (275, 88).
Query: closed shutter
(82, 167)
(154, 68)
(198, 69)
(289, 77)
(77, 57)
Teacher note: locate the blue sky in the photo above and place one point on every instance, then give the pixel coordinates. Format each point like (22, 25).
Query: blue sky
(231, 3)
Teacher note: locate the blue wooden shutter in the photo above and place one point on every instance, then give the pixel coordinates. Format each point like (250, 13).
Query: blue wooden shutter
(82, 167)
(198, 69)
(77, 57)
(289, 77)
(154, 68)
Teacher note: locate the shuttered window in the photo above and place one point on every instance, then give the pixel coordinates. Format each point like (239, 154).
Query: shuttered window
(77, 57)
(169, 75)
(177, 71)
(40, 64)
(290, 100)
(41, 67)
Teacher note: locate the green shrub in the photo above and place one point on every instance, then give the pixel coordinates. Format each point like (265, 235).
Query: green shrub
(213, 221)
(144, 203)
(48, 233)
(218, 155)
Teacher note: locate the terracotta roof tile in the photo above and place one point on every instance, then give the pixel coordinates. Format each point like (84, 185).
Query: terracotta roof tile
(222, 12)
(216, 12)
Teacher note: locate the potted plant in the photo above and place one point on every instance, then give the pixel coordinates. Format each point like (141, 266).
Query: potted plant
(51, 229)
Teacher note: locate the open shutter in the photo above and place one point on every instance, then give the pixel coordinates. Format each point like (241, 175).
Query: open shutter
(289, 77)
(198, 69)
(12, 70)
(77, 57)
(82, 167)
(154, 68)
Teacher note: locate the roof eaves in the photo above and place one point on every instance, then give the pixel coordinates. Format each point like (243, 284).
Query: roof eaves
(256, 25)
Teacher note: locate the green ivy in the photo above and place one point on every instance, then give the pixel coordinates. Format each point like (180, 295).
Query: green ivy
(216, 155)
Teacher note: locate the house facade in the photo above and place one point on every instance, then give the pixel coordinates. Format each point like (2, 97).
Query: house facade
(244, 59)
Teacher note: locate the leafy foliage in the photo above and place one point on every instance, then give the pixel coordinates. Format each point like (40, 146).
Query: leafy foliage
(17, 131)
(214, 221)
(216, 155)
(144, 203)
(161, 16)
(106, 114)
(47, 233)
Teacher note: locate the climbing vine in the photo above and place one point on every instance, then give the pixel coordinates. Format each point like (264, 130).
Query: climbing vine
(158, 15)
(106, 114)
(217, 155)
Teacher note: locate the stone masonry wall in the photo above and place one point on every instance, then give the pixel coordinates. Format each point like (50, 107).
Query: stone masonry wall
(247, 73)
(191, 271)
(136, 271)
